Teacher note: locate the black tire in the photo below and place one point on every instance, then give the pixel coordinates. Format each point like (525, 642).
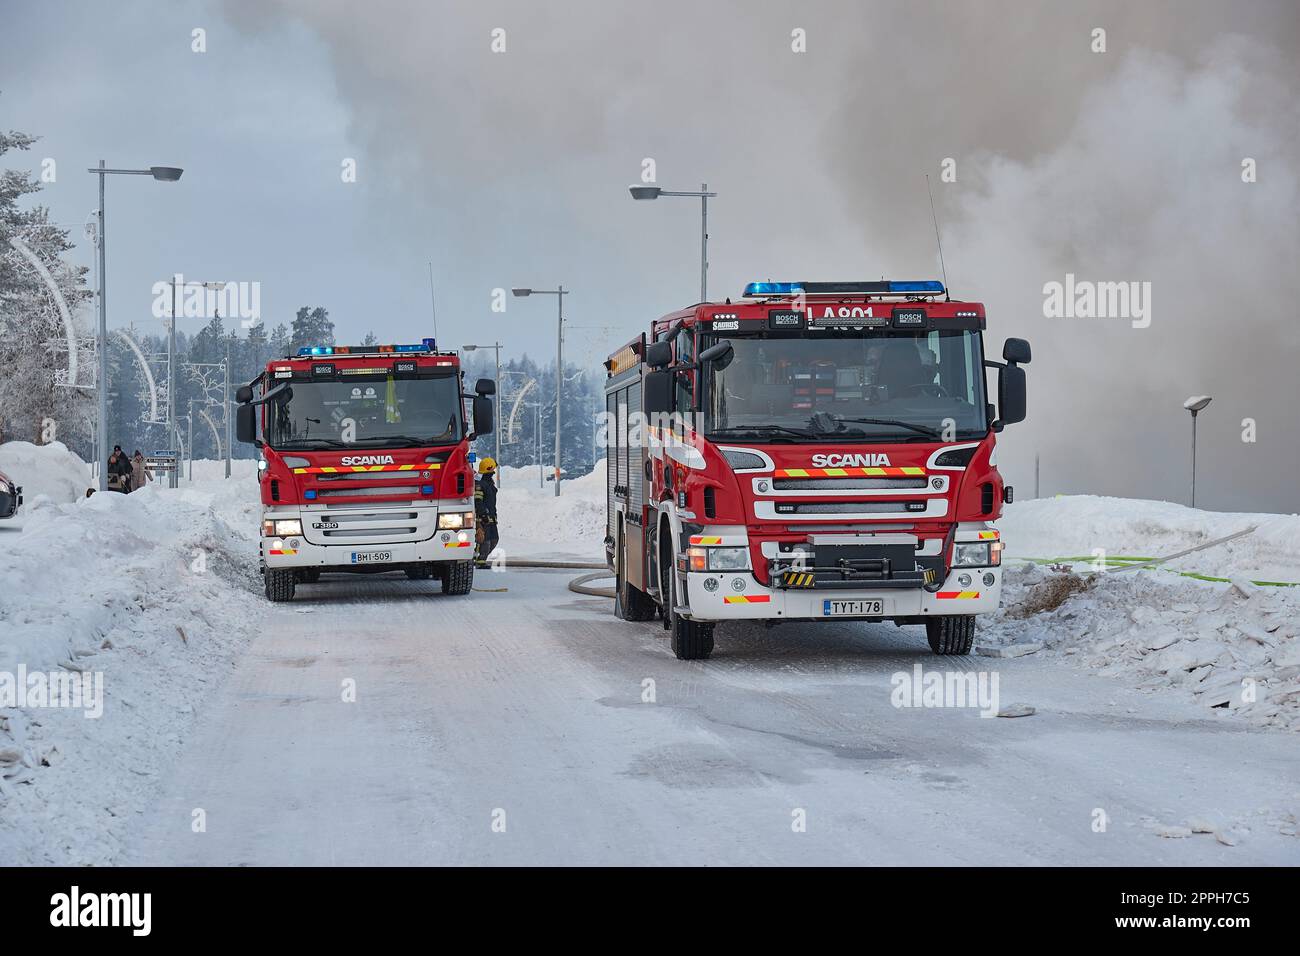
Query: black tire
(690, 640)
(665, 554)
(951, 634)
(279, 583)
(422, 573)
(630, 602)
(458, 577)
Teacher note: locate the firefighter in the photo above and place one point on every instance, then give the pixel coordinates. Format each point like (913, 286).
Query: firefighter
(485, 509)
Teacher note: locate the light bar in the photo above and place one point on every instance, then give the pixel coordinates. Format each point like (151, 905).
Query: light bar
(918, 287)
(428, 345)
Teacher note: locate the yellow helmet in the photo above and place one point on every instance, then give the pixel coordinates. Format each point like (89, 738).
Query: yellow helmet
(487, 466)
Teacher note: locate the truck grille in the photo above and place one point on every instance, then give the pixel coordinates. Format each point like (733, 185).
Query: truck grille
(835, 484)
(368, 492)
(357, 524)
(846, 507)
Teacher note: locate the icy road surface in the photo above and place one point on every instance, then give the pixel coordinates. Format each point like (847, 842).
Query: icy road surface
(510, 728)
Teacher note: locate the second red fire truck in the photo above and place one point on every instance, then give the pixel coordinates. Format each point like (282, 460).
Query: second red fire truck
(365, 463)
(815, 451)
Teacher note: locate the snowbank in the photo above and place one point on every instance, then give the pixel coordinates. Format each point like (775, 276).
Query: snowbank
(1072, 526)
(535, 523)
(157, 591)
(50, 470)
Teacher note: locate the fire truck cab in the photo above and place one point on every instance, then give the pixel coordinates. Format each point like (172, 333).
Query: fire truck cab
(365, 463)
(814, 451)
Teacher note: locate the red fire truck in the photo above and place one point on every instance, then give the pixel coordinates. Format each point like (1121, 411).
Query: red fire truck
(365, 463)
(814, 451)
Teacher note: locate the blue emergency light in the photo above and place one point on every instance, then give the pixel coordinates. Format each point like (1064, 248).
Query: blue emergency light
(921, 287)
(427, 345)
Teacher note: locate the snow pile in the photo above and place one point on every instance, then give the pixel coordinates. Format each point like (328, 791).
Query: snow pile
(534, 522)
(1234, 647)
(157, 592)
(50, 470)
(1073, 526)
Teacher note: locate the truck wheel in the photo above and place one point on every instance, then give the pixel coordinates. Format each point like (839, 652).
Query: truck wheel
(458, 577)
(951, 634)
(422, 573)
(690, 640)
(279, 583)
(630, 602)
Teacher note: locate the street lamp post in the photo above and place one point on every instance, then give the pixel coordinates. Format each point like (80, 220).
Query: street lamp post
(1194, 405)
(496, 431)
(173, 430)
(654, 192)
(559, 294)
(166, 174)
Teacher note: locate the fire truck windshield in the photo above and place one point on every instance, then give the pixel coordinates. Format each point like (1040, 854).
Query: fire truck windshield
(881, 385)
(377, 411)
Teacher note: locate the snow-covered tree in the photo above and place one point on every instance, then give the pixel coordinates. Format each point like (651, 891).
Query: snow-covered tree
(35, 402)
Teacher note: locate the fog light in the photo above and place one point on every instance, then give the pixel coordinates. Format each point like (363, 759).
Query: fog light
(963, 580)
(277, 544)
(737, 584)
(462, 536)
(989, 579)
(710, 584)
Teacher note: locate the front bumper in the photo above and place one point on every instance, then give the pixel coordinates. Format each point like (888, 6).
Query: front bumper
(297, 552)
(739, 597)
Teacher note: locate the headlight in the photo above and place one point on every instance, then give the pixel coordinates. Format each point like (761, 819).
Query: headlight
(977, 554)
(455, 520)
(728, 559)
(282, 527)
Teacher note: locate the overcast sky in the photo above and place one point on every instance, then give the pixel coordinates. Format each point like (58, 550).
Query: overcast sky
(511, 168)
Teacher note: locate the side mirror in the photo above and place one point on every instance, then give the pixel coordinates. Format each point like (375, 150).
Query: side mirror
(719, 354)
(1011, 394)
(482, 415)
(658, 354)
(1016, 350)
(485, 386)
(658, 397)
(246, 423)
(244, 394)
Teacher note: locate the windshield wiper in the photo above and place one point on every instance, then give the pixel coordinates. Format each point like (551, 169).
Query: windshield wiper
(735, 431)
(922, 429)
(304, 442)
(405, 441)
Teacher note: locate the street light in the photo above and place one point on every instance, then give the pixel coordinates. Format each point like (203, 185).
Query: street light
(559, 294)
(173, 434)
(165, 174)
(1194, 405)
(654, 192)
(497, 431)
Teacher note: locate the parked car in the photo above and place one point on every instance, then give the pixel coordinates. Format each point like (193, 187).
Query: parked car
(11, 496)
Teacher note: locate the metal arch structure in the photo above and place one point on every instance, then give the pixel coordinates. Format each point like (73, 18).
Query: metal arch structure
(216, 437)
(148, 374)
(514, 408)
(59, 302)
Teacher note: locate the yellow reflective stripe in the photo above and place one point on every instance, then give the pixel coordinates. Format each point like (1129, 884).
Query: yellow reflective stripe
(913, 471)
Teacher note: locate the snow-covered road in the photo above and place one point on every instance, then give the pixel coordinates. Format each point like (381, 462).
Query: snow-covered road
(374, 720)
(525, 708)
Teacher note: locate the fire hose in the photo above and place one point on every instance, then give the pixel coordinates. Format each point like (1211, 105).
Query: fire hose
(579, 584)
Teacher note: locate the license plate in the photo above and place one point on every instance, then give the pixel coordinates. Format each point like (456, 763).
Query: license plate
(371, 557)
(859, 607)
